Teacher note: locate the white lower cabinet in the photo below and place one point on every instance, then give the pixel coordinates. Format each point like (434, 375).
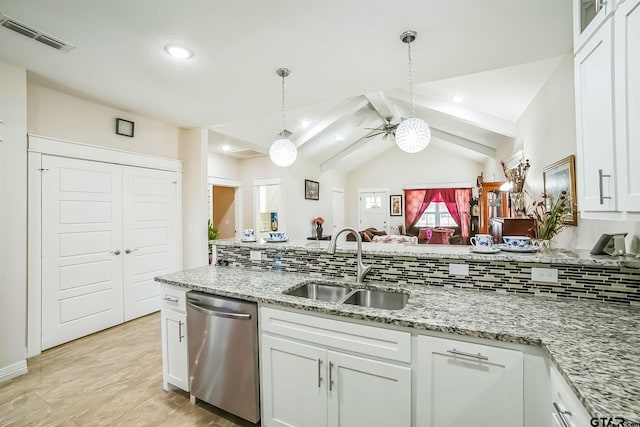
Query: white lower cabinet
(309, 384)
(460, 383)
(175, 360)
(566, 410)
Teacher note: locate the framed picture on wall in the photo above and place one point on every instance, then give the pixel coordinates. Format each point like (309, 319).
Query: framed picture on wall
(561, 176)
(395, 205)
(311, 190)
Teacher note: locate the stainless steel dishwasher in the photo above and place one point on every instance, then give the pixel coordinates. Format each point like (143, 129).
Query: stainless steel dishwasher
(223, 353)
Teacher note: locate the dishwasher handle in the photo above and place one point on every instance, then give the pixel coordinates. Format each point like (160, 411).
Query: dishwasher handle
(218, 313)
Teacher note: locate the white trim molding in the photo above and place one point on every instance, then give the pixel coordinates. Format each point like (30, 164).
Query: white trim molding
(12, 371)
(464, 184)
(77, 150)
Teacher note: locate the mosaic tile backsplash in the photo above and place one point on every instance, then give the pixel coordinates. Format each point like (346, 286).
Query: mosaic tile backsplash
(608, 284)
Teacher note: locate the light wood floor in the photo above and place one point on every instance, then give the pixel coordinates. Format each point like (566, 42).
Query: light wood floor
(113, 377)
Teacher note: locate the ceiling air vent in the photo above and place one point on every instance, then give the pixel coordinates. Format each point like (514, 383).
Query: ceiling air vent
(27, 31)
(246, 153)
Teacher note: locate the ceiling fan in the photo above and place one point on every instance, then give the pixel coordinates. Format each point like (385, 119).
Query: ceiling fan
(387, 129)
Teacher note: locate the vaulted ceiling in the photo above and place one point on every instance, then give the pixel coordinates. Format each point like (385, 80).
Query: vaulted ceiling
(349, 66)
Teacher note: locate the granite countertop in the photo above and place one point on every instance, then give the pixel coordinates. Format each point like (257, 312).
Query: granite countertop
(595, 346)
(555, 256)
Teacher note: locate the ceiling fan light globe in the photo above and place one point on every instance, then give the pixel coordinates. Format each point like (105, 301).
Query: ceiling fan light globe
(413, 135)
(283, 152)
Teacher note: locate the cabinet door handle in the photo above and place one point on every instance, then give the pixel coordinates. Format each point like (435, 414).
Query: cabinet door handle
(128, 251)
(601, 176)
(463, 353)
(116, 252)
(330, 376)
(319, 370)
(180, 335)
(560, 415)
(170, 299)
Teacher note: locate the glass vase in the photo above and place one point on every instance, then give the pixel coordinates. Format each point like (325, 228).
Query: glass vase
(319, 231)
(517, 203)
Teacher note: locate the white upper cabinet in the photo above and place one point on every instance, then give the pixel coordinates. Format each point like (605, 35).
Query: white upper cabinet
(588, 15)
(594, 121)
(627, 97)
(607, 77)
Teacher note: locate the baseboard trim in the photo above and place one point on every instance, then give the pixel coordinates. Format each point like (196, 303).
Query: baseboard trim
(12, 371)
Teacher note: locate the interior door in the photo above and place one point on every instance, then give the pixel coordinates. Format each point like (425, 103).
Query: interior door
(337, 213)
(149, 239)
(81, 244)
(373, 209)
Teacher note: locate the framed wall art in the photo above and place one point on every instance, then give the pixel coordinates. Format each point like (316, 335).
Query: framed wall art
(561, 176)
(395, 205)
(311, 190)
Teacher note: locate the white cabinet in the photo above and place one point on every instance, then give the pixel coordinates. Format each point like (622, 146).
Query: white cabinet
(175, 361)
(588, 16)
(460, 383)
(313, 383)
(627, 95)
(365, 392)
(594, 121)
(566, 410)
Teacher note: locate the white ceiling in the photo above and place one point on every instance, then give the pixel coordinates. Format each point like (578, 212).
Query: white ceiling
(347, 61)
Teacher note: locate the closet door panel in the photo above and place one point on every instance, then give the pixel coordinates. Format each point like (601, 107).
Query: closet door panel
(150, 239)
(81, 234)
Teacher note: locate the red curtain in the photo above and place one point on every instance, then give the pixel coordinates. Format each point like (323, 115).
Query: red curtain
(415, 203)
(463, 195)
(449, 199)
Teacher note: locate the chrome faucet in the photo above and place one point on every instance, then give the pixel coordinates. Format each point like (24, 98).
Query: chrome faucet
(362, 269)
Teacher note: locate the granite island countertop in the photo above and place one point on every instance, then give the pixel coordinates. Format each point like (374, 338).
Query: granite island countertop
(595, 346)
(554, 256)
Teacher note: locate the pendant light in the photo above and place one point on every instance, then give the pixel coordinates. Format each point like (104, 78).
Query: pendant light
(283, 152)
(412, 135)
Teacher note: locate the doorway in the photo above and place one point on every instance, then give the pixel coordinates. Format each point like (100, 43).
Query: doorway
(223, 206)
(373, 208)
(224, 203)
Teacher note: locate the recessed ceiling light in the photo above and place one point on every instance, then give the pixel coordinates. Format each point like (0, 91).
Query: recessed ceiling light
(178, 52)
(226, 147)
(304, 124)
(457, 98)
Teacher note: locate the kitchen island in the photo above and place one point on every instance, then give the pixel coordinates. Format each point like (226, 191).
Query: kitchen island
(594, 345)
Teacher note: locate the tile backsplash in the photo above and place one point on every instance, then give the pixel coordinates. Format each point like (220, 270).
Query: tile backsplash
(608, 284)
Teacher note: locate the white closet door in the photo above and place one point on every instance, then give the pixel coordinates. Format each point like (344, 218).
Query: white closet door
(150, 239)
(81, 240)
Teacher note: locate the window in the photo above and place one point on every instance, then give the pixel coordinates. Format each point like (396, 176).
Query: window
(372, 202)
(436, 215)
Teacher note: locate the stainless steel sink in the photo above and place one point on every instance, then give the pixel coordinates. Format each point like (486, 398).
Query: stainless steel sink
(320, 290)
(377, 299)
(336, 292)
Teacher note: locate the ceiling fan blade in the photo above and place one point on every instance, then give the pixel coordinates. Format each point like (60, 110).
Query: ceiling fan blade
(386, 135)
(375, 134)
(378, 128)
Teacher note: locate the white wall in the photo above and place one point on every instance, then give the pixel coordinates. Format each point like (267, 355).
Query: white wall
(58, 115)
(13, 220)
(297, 212)
(220, 166)
(395, 170)
(195, 209)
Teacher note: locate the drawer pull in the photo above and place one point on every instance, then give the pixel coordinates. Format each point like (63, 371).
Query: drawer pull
(462, 353)
(319, 370)
(167, 298)
(330, 376)
(601, 176)
(560, 415)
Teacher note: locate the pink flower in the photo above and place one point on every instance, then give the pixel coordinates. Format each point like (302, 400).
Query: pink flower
(318, 220)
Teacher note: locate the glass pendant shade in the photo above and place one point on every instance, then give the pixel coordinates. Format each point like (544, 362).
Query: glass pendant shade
(413, 135)
(283, 152)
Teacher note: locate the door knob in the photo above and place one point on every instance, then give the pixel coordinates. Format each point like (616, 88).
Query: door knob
(128, 251)
(116, 252)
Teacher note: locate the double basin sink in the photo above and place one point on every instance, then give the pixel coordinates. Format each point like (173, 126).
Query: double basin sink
(333, 292)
